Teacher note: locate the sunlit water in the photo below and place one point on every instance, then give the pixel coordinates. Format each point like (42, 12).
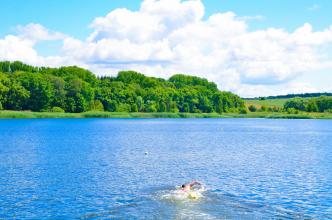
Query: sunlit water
(129, 168)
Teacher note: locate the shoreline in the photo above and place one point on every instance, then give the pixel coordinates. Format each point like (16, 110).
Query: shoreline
(268, 115)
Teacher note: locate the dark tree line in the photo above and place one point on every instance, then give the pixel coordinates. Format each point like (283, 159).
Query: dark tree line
(73, 89)
(304, 95)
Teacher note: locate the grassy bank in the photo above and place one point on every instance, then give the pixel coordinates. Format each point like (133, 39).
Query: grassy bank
(27, 114)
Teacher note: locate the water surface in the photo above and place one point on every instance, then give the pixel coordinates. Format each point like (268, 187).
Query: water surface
(123, 168)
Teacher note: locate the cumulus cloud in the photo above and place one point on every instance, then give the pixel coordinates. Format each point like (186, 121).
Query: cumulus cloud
(14, 48)
(170, 36)
(22, 46)
(36, 32)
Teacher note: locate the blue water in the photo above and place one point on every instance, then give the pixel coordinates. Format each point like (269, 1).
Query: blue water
(123, 168)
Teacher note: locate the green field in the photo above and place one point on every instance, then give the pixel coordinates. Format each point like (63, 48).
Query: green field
(27, 114)
(267, 102)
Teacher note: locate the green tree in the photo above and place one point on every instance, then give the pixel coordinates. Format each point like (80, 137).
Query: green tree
(140, 103)
(252, 108)
(312, 106)
(295, 103)
(263, 108)
(17, 97)
(40, 90)
(218, 102)
(122, 107)
(96, 105)
(59, 92)
(186, 107)
(134, 108)
(151, 106)
(57, 109)
(162, 107)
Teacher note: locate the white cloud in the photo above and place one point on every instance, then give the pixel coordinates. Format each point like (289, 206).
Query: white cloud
(36, 32)
(14, 48)
(22, 46)
(171, 36)
(153, 21)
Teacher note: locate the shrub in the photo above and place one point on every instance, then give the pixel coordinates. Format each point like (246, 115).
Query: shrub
(263, 108)
(134, 108)
(123, 107)
(292, 111)
(57, 109)
(96, 105)
(1, 108)
(295, 103)
(243, 111)
(151, 108)
(276, 109)
(252, 108)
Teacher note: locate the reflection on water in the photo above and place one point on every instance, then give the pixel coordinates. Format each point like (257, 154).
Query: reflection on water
(99, 168)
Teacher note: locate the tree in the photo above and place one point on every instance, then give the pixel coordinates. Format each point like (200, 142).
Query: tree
(263, 108)
(185, 107)
(57, 109)
(110, 105)
(312, 106)
(139, 103)
(162, 107)
(324, 103)
(295, 103)
(96, 105)
(4, 83)
(122, 107)
(252, 108)
(40, 90)
(134, 108)
(218, 102)
(17, 97)
(151, 106)
(243, 111)
(59, 92)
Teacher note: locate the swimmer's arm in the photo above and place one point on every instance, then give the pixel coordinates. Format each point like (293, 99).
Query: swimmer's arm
(193, 183)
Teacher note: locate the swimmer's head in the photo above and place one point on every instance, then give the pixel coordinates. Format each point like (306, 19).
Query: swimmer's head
(183, 186)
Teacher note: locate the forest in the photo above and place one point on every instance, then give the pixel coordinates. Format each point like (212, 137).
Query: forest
(73, 89)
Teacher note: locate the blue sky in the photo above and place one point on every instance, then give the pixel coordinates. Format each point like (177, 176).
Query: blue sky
(74, 16)
(240, 68)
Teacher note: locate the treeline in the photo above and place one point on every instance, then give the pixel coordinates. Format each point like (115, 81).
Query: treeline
(320, 104)
(303, 95)
(73, 89)
(297, 105)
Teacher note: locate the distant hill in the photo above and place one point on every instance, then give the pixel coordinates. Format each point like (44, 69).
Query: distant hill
(303, 95)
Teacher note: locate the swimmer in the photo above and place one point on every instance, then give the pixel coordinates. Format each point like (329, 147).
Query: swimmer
(192, 190)
(188, 187)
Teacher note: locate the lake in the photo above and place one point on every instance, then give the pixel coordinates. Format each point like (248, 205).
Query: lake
(129, 168)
